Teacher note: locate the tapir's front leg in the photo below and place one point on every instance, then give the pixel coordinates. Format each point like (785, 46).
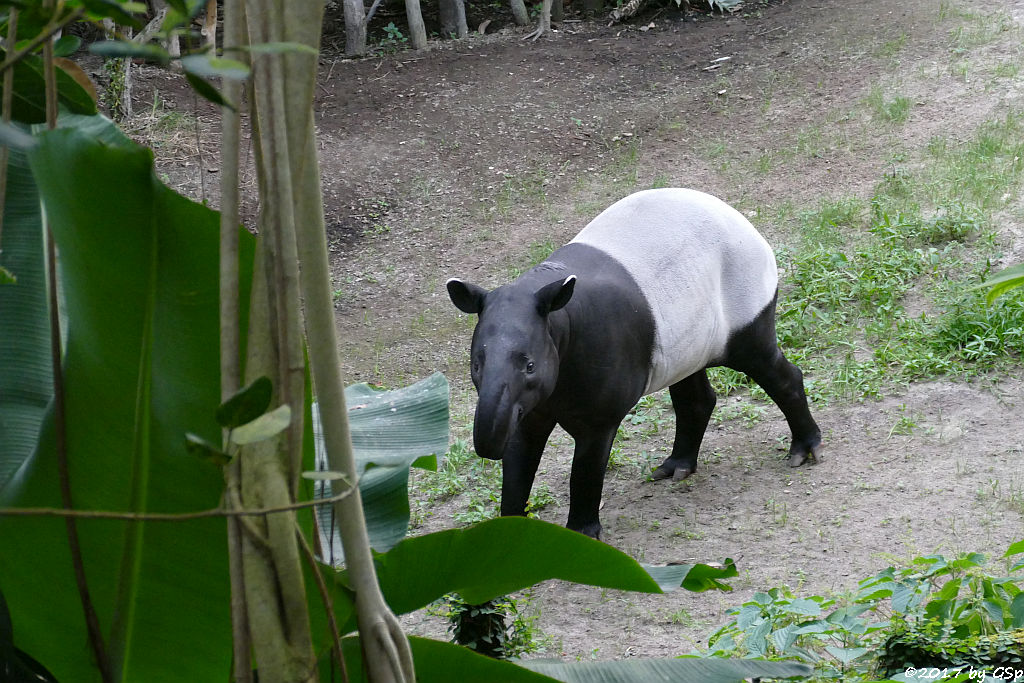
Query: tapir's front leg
(587, 480)
(519, 464)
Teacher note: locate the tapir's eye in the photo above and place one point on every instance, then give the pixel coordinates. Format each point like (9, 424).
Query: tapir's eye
(530, 367)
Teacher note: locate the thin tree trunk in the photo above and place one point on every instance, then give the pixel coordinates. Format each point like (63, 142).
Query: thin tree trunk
(275, 589)
(557, 11)
(355, 28)
(519, 13)
(230, 347)
(209, 30)
(453, 18)
(286, 158)
(417, 31)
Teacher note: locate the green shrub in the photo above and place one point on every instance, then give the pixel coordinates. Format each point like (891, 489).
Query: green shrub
(936, 612)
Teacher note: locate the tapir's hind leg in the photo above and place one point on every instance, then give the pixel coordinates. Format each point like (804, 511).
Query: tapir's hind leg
(755, 352)
(693, 400)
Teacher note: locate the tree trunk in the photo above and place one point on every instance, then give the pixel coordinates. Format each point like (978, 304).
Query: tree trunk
(209, 30)
(519, 13)
(453, 18)
(417, 31)
(292, 230)
(557, 11)
(355, 28)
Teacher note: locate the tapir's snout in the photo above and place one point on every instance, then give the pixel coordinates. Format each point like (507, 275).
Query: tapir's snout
(498, 415)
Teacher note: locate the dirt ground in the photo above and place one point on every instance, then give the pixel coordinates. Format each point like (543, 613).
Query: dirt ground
(468, 158)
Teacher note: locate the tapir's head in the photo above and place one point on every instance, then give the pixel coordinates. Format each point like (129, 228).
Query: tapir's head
(514, 361)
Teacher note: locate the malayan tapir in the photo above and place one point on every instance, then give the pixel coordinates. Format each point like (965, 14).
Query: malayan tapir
(660, 286)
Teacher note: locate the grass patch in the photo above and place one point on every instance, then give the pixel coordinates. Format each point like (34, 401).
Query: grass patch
(921, 242)
(891, 48)
(535, 254)
(895, 110)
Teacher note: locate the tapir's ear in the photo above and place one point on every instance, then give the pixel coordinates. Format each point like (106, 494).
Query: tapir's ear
(467, 297)
(553, 296)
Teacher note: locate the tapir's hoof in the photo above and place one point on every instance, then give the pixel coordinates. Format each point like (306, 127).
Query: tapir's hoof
(813, 456)
(677, 473)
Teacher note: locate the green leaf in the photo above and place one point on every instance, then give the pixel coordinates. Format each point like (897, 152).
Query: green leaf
(803, 606)
(180, 16)
(1015, 549)
(819, 626)
(26, 380)
(903, 597)
(29, 103)
(128, 49)
(685, 670)
(207, 91)
(1002, 282)
(756, 640)
(120, 12)
(399, 426)
(784, 638)
(846, 654)
(266, 426)
(141, 369)
(247, 404)
(494, 558)
(205, 66)
(949, 591)
(693, 577)
(65, 46)
(7, 277)
(391, 430)
(748, 616)
(874, 592)
(197, 445)
(994, 611)
(1017, 611)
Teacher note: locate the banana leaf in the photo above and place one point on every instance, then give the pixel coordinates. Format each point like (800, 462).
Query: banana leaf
(139, 267)
(685, 670)
(391, 431)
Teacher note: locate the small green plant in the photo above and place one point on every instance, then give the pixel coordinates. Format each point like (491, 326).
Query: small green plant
(891, 48)
(682, 617)
(660, 180)
(393, 36)
(502, 628)
(904, 425)
(375, 217)
(824, 226)
(482, 505)
(540, 498)
(936, 612)
(895, 110)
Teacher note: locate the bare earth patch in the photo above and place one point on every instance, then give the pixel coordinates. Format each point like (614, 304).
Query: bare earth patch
(470, 157)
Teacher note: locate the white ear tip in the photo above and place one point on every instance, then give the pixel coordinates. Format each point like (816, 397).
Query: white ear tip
(452, 279)
(571, 278)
